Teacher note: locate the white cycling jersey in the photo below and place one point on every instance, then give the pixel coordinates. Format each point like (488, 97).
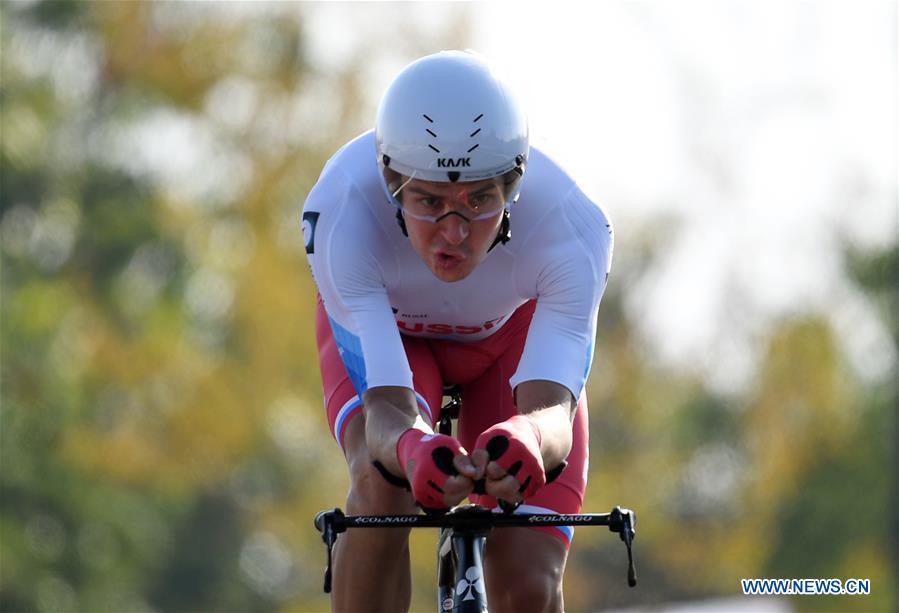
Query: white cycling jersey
(375, 286)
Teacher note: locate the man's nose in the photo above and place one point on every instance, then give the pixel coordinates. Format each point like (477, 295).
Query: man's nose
(454, 228)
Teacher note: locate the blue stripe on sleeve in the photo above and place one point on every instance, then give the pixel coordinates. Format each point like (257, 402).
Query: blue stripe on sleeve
(352, 406)
(350, 348)
(425, 406)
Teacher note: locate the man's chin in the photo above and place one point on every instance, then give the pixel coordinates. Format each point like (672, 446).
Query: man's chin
(450, 276)
(448, 268)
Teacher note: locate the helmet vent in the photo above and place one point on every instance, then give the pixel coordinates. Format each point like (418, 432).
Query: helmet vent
(475, 132)
(473, 148)
(475, 120)
(431, 133)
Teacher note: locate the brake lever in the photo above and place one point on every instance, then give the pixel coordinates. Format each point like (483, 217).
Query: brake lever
(624, 522)
(330, 524)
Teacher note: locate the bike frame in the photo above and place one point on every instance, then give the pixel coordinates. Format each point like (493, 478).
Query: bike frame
(460, 570)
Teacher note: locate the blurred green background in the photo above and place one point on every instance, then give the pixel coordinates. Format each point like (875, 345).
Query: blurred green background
(162, 440)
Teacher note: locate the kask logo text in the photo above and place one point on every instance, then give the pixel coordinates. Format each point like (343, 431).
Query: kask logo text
(453, 162)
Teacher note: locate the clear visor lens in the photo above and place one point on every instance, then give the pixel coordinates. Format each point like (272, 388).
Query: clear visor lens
(429, 202)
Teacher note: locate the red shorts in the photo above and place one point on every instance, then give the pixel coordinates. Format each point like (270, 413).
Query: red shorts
(482, 369)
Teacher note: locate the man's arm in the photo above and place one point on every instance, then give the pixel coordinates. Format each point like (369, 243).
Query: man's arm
(552, 408)
(389, 411)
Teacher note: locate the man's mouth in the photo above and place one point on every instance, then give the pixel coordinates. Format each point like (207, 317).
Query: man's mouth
(448, 259)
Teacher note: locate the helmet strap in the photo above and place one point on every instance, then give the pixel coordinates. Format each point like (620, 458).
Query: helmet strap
(402, 222)
(505, 231)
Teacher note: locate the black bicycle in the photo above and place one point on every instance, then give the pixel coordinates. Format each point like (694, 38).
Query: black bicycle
(463, 536)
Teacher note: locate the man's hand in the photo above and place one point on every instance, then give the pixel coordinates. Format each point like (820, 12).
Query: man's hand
(439, 470)
(508, 455)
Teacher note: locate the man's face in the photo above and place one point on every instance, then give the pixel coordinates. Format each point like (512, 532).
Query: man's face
(452, 247)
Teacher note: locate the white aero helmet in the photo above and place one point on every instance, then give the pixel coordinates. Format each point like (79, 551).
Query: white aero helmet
(449, 117)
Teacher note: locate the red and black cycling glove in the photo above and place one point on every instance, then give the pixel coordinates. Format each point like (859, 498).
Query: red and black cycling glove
(514, 444)
(427, 461)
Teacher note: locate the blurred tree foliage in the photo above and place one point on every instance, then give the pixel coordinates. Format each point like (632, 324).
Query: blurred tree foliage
(162, 442)
(163, 446)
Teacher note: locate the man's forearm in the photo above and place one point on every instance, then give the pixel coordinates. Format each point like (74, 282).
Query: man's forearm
(551, 407)
(555, 434)
(389, 411)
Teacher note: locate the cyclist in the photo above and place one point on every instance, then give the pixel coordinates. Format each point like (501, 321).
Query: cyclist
(409, 235)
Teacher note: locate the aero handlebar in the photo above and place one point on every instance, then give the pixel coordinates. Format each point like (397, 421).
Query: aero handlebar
(473, 517)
